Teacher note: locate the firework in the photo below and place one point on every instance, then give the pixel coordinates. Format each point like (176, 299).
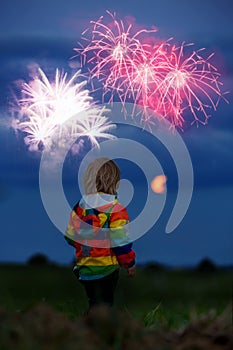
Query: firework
(134, 66)
(147, 74)
(46, 108)
(94, 127)
(189, 83)
(111, 52)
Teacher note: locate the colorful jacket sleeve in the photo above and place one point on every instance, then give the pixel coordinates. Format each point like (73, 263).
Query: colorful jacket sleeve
(119, 220)
(73, 228)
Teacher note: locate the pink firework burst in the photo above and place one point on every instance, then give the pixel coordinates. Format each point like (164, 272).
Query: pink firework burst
(136, 67)
(111, 54)
(189, 82)
(147, 74)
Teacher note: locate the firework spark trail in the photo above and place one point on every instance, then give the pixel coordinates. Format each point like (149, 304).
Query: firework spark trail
(154, 73)
(94, 127)
(147, 74)
(48, 107)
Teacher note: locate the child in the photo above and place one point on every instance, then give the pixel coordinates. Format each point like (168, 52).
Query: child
(96, 229)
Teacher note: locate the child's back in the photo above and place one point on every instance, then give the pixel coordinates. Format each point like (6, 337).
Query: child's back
(98, 230)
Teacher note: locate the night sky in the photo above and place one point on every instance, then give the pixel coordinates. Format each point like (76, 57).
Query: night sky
(45, 33)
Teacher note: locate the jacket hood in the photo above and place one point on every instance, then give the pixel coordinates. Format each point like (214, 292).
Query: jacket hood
(97, 200)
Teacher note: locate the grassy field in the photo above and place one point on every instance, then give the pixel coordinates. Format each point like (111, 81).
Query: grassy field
(160, 299)
(174, 293)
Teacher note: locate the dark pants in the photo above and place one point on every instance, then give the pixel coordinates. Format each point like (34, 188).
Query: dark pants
(101, 290)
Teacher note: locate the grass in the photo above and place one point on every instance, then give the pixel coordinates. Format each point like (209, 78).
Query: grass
(170, 297)
(166, 298)
(41, 307)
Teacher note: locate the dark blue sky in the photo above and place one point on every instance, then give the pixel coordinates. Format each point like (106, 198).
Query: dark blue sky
(45, 32)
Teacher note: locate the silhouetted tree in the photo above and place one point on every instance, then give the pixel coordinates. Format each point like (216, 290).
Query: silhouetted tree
(38, 259)
(206, 265)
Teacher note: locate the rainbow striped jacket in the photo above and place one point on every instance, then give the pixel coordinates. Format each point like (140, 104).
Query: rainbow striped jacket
(98, 229)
